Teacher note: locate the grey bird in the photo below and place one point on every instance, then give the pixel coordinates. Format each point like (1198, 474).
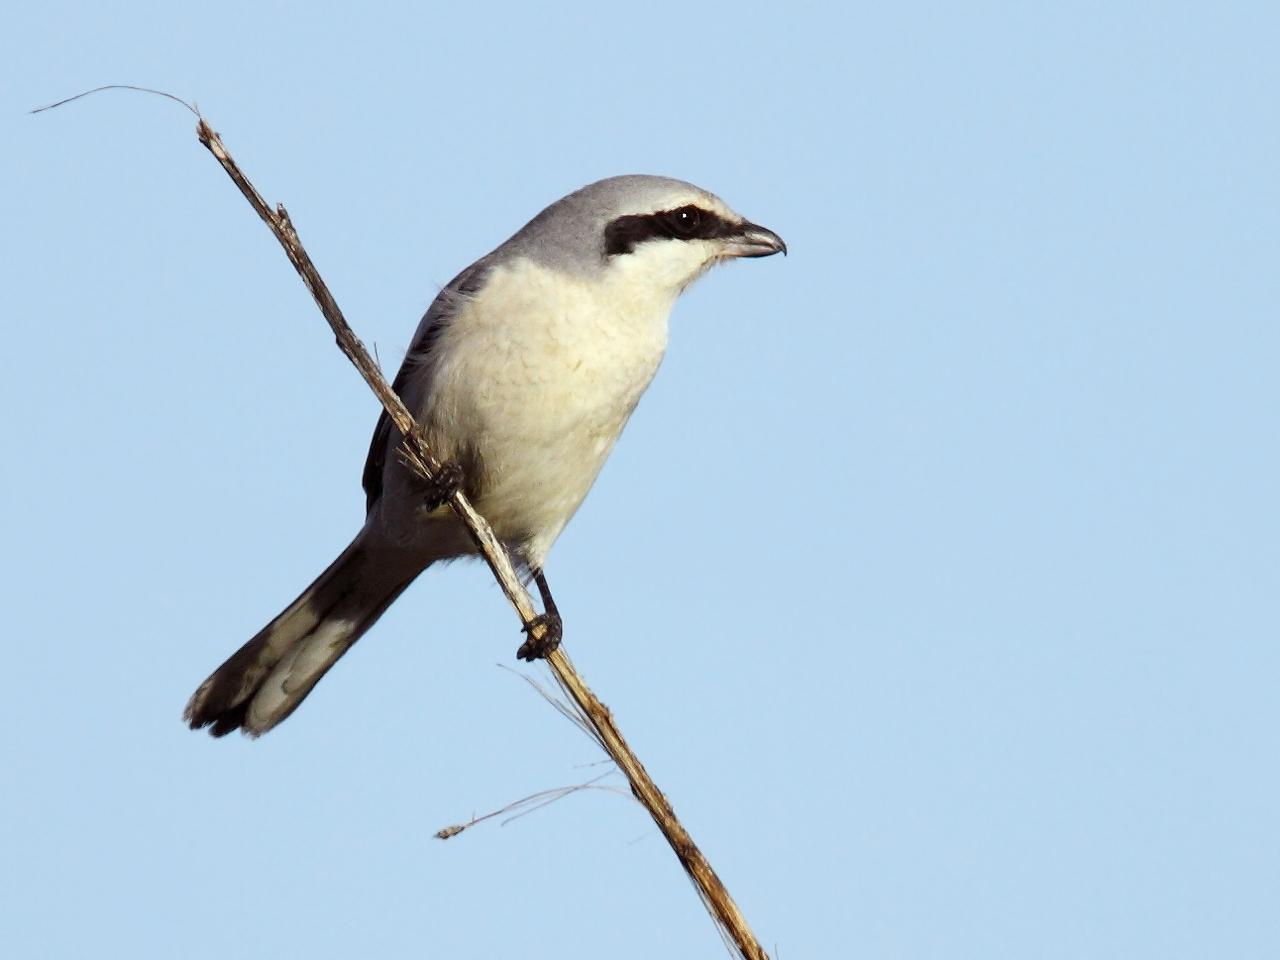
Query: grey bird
(522, 373)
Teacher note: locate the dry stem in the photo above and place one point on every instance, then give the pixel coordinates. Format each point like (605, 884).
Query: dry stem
(712, 890)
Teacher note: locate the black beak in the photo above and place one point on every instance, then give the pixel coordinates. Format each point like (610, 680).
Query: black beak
(753, 240)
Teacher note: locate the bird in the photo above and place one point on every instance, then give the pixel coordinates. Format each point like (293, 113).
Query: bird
(522, 375)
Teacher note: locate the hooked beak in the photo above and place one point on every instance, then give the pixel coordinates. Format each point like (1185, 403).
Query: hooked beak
(753, 240)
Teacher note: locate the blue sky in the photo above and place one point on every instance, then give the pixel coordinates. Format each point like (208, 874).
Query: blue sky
(935, 579)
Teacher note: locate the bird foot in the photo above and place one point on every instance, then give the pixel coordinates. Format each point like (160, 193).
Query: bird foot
(440, 489)
(539, 647)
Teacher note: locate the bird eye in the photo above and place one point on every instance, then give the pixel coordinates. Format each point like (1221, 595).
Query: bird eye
(685, 221)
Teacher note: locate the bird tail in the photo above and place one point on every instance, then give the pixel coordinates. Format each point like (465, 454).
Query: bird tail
(264, 681)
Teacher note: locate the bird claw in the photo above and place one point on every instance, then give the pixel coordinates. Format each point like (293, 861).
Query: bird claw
(540, 647)
(440, 489)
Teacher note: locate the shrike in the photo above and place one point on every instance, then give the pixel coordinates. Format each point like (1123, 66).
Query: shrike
(522, 374)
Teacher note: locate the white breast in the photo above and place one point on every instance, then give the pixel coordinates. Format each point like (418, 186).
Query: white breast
(539, 374)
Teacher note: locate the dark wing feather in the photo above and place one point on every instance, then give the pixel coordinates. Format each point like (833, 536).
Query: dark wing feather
(417, 363)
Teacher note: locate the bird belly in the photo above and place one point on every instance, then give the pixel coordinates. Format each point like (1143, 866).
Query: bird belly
(539, 381)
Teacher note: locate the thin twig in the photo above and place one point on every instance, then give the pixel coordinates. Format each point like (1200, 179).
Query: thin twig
(708, 883)
(733, 926)
(528, 805)
(570, 712)
(119, 86)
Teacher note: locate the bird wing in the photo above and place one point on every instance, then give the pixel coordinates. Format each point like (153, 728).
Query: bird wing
(413, 381)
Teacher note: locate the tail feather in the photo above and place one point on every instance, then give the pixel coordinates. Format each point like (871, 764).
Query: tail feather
(266, 679)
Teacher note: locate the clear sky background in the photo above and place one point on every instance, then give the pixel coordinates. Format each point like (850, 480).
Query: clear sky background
(935, 579)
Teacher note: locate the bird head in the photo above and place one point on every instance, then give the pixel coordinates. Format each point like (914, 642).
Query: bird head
(655, 231)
